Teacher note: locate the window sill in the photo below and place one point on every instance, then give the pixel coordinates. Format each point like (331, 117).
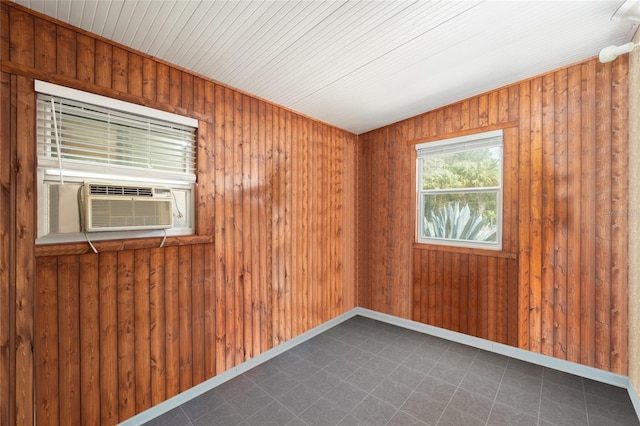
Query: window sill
(119, 245)
(465, 250)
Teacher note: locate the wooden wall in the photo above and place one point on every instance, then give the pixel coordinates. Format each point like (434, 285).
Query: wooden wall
(559, 286)
(96, 338)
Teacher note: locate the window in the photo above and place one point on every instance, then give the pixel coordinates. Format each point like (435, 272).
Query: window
(84, 138)
(459, 187)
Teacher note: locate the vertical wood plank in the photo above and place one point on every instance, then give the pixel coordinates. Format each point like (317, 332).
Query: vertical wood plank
(560, 215)
(219, 206)
(620, 221)
(46, 342)
(66, 47)
(535, 218)
(524, 197)
(108, 267)
(25, 233)
(120, 70)
(126, 335)
(588, 214)
(45, 45)
(141, 327)
(157, 324)
(547, 296)
(86, 58)
(185, 327)
(247, 230)
(172, 306)
(603, 218)
(574, 211)
(198, 312)
(104, 58)
(89, 321)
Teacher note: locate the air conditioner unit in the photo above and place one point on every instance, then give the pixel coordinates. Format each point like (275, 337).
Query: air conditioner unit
(115, 207)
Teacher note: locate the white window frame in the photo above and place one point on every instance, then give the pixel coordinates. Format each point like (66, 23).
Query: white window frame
(72, 174)
(460, 144)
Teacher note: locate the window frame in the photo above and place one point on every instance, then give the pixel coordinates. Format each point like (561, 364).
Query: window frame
(493, 138)
(53, 172)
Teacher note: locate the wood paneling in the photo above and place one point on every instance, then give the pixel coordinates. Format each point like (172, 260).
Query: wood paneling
(559, 285)
(117, 332)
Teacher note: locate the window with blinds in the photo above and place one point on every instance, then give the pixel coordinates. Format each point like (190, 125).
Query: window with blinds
(84, 139)
(73, 133)
(459, 188)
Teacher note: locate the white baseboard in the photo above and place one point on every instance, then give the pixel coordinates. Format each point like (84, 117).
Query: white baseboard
(499, 348)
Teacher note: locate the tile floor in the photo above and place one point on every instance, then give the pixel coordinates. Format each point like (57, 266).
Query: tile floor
(365, 372)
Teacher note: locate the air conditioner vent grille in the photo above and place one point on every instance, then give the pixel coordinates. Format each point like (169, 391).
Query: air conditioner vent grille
(133, 191)
(114, 207)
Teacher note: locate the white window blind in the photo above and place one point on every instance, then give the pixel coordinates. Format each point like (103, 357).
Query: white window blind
(460, 144)
(73, 132)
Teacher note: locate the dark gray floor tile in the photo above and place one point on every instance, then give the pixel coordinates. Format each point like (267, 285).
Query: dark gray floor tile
(273, 414)
(322, 357)
(568, 397)
(563, 379)
(407, 376)
(302, 370)
(285, 360)
(304, 349)
(365, 379)
(557, 413)
(519, 397)
(493, 358)
(296, 421)
(455, 417)
(322, 413)
(322, 382)
(224, 415)
(420, 361)
(395, 353)
(476, 405)
(524, 367)
(462, 349)
(279, 384)
(526, 383)
(202, 404)
(299, 398)
(449, 373)
(380, 365)
(424, 408)
(392, 392)
(342, 367)
(373, 412)
(235, 387)
(175, 417)
(358, 355)
(262, 372)
(373, 345)
(436, 389)
(618, 411)
(251, 401)
(346, 395)
(481, 382)
(403, 419)
(622, 418)
(455, 359)
(504, 415)
(604, 390)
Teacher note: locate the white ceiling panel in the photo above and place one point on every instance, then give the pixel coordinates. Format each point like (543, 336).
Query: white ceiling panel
(356, 64)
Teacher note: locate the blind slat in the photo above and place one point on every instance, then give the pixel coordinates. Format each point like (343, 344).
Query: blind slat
(94, 134)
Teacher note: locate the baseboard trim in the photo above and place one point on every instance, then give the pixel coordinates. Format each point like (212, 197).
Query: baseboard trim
(499, 348)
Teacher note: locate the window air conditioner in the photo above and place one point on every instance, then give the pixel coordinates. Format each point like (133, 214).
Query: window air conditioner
(115, 207)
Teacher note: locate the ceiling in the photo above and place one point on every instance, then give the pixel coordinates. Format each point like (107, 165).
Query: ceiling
(358, 65)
